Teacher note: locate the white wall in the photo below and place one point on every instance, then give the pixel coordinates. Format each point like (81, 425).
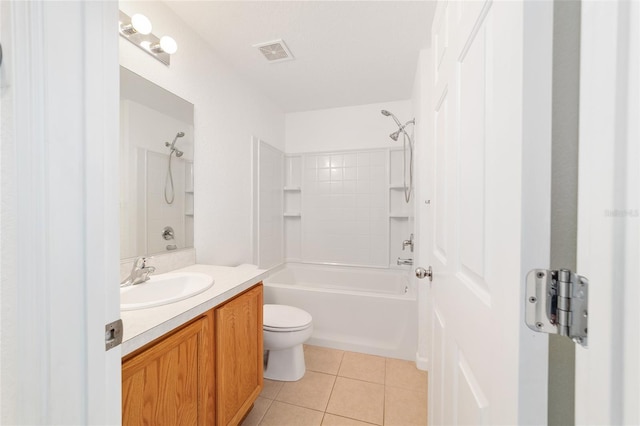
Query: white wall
(227, 113)
(355, 127)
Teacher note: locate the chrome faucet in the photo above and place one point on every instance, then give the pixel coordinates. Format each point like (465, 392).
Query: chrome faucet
(404, 261)
(409, 243)
(139, 273)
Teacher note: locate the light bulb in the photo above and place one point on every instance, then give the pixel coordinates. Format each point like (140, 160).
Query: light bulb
(168, 45)
(141, 23)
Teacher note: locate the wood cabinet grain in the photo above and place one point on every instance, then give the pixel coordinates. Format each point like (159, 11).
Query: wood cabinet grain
(171, 381)
(239, 360)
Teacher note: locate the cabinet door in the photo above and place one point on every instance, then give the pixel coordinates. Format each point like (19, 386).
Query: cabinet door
(171, 382)
(239, 380)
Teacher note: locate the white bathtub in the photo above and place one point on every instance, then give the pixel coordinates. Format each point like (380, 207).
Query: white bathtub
(357, 309)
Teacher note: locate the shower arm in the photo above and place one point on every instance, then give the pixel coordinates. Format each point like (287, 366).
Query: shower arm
(401, 129)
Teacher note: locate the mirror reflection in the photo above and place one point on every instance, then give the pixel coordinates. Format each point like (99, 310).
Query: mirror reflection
(156, 168)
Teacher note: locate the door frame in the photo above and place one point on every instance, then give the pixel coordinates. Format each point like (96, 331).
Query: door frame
(60, 230)
(607, 373)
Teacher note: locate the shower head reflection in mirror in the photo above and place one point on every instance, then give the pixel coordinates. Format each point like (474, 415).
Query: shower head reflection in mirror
(169, 190)
(173, 144)
(406, 140)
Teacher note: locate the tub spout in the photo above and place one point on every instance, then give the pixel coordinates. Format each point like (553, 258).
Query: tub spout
(401, 261)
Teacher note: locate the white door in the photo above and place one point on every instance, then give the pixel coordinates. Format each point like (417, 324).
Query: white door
(608, 372)
(484, 216)
(59, 210)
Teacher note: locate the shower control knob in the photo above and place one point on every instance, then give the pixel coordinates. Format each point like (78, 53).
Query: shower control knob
(424, 273)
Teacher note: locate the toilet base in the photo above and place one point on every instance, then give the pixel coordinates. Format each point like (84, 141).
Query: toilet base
(286, 365)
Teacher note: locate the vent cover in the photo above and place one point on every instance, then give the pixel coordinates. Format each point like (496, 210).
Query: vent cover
(275, 51)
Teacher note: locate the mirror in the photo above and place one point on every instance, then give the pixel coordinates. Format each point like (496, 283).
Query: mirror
(156, 168)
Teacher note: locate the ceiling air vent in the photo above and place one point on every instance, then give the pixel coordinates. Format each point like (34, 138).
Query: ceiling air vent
(275, 51)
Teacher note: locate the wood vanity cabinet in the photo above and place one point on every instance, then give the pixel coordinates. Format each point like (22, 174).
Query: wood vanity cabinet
(239, 360)
(206, 372)
(170, 381)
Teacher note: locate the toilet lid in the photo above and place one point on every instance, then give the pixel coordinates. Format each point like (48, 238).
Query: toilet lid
(283, 317)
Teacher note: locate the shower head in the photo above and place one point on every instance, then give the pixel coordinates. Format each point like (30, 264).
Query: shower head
(388, 114)
(178, 135)
(395, 135)
(173, 144)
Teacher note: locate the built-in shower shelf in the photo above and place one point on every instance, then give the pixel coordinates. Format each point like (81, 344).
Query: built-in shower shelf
(292, 189)
(188, 214)
(396, 187)
(399, 215)
(188, 192)
(292, 215)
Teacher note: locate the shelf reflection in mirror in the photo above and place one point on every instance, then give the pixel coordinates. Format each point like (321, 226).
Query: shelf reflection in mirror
(152, 195)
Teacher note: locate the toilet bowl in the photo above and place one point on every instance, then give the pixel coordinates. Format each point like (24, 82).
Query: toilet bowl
(285, 329)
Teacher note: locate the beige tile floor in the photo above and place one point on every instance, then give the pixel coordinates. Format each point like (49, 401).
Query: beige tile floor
(345, 389)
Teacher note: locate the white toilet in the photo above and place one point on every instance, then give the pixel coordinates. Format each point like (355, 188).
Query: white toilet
(285, 330)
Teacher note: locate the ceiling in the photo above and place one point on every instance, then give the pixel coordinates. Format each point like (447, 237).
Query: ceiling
(346, 52)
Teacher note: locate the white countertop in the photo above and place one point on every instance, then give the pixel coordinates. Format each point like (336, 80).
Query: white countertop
(145, 325)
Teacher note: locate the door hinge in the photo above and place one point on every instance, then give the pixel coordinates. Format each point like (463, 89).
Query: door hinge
(557, 303)
(113, 334)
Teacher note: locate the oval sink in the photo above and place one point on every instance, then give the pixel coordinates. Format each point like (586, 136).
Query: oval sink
(163, 289)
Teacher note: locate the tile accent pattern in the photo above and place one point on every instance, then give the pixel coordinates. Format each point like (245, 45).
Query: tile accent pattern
(345, 389)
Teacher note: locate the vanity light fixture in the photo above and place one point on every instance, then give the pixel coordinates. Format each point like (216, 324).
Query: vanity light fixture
(167, 44)
(137, 29)
(138, 24)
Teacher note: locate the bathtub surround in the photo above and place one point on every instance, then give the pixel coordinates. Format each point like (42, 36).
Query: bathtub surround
(268, 171)
(341, 207)
(344, 208)
(353, 193)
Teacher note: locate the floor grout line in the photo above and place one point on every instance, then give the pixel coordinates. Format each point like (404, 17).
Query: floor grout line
(324, 412)
(265, 411)
(384, 393)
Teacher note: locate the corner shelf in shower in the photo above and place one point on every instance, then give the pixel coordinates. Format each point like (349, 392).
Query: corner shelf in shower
(399, 215)
(396, 187)
(292, 207)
